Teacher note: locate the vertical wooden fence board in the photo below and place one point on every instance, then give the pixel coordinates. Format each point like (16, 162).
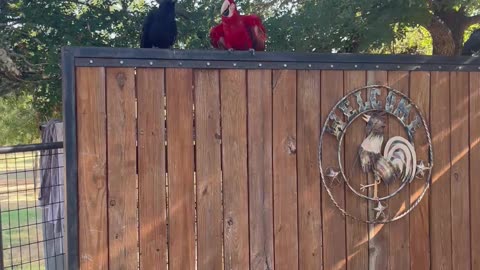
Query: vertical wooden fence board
(181, 205)
(459, 178)
(284, 170)
(209, 170)
(356, 232)
(309, 182)
(440, 219)
(419, 217)
(332, 219)
(378, 233)
(474, 167)
(151, 169)
(235, 175)
(92, 162)
(122, 159)
(260, 169)
(399, 250)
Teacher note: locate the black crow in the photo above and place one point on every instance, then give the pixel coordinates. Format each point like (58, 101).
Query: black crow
(160, 28)
(472, 45)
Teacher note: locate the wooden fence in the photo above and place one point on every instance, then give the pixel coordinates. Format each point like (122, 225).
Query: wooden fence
(234, 183)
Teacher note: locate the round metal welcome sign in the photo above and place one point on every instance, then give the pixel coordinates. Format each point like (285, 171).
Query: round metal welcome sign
(381, 166)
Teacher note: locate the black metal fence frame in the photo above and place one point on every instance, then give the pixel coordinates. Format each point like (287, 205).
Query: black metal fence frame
(73, 57)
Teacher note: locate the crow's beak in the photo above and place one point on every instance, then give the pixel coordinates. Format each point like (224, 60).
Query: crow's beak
(366, 118)
(225, 8)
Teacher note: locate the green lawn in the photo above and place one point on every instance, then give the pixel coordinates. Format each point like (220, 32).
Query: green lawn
(22, 223)
(22, 237)
(20, 234)
(23, 231)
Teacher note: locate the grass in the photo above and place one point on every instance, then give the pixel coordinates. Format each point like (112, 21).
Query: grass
(22, 237)
(21, 228)
(14, 161)
(16, 166)
(20, 225)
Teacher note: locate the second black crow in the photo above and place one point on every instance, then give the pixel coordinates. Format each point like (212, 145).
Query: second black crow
(160, 28)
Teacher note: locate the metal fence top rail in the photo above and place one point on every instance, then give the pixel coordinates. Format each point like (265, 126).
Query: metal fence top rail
(133, 57)
(30, 147)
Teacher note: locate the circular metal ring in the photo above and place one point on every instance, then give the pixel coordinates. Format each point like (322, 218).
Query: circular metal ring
(410, 138)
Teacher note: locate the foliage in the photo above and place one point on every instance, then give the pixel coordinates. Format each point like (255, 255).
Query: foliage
(35, 31)
(18, 124)
(32, 32)
(415, 40)
(364, 25)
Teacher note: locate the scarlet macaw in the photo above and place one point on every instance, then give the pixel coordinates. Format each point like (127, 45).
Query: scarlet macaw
(238, 32)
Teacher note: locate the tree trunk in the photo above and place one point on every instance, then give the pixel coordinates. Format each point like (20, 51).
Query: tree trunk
(442, 37)
(447, 28)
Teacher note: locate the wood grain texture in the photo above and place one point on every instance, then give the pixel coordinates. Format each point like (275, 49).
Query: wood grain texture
(152, 204)
(333, 221)
(399, 240)
(474, 168)
(419, 217)
(209, 171)
(459, 178)
(122, 171)
(260, 169)
(309, 191)
(235, 173)
(440, 215)
(284, 170)
(180, 169)
(92, 161)
(378, 233)
(356, 232)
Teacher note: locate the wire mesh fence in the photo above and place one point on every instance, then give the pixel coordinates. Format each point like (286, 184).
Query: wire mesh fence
(31, 206)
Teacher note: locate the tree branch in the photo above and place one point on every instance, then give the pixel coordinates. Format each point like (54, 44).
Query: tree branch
(7, 65)
(473, 20)
(183, 14)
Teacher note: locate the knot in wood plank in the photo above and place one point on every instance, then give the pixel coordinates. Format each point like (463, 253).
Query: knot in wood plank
(291, 145)
(121, 79)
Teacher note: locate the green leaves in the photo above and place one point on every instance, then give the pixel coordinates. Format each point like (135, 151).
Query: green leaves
(33, 31)
(18, 124)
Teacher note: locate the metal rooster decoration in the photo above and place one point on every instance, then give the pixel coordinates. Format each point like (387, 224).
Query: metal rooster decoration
(391, 160)
(398, 161)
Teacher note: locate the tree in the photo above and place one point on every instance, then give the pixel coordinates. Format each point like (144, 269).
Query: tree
(18, 123)
(32, 33)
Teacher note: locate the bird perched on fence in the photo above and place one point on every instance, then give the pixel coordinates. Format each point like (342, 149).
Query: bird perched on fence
(160, 28)
(238, 32)
(472, 46)
(398, 160)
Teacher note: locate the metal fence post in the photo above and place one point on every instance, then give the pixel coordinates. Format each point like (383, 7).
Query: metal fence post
(1, 241)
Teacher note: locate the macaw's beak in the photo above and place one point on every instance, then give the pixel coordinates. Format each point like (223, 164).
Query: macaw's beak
(225, 11)
(366, 118)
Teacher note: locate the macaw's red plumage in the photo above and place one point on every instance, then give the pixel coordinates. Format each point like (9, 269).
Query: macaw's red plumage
(238, 32)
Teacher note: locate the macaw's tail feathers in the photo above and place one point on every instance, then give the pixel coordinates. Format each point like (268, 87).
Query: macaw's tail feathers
(257, 31)
(401, 155)
(216, 37)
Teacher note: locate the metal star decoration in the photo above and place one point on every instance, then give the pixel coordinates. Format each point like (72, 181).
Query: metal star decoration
(334, 176)
(421, 169)
(380, 209)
